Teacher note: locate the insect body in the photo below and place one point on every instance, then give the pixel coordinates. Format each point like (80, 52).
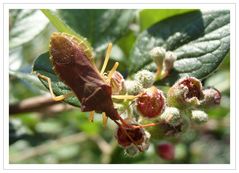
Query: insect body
(72, 62)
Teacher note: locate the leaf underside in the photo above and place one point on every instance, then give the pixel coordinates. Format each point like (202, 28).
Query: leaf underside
(43, 65)
(21, 26)
(200, 40)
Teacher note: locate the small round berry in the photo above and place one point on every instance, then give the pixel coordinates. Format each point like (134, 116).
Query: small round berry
(150, 103)
(133, 87)
(117, 82)
(145, 77)
(185, 93)
(171, 116)
(166, 150)
(199, 116)
(212, 97)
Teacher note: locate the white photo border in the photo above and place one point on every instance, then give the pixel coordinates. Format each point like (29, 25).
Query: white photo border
(5, 63)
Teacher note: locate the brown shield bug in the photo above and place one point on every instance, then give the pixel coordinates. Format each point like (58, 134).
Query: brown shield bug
(72, 61)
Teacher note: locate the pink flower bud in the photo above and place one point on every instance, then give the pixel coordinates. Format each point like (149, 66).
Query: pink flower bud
(212, 97)
(117, 82)
(185, 93)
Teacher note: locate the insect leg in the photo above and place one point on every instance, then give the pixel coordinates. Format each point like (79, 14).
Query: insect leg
(91, 116)
(127, 97)
(104, 118)
(107, 57)
(55, 98)
(145, 125)
(112, 71)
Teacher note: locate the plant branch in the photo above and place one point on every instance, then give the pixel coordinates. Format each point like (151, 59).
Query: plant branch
(36, 104)
(46, 147)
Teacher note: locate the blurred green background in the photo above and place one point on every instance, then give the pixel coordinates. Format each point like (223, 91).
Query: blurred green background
(59, 133)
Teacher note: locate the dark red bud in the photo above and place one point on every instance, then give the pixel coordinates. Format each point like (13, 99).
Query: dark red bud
(166, 151)
(127, 135)
(194, 89)
(151, 103)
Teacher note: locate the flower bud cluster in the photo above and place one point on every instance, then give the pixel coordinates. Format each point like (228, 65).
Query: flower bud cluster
(188, 95)
(168, 115)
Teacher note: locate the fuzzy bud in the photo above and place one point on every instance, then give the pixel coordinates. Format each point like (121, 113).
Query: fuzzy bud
(199, 116)
(131, 151)
(158, 55)
(185, 93)
(117, 82)
(150, 103)
(212, 97)
(145, 77)
(133, 87)
(171, 116)
(169, 60)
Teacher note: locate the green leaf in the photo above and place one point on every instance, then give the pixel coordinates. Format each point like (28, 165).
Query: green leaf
(43, 66)
(150, 16)
(200, 40)
(29, 78)
(100, 26)
(61, 26)
(25, 25)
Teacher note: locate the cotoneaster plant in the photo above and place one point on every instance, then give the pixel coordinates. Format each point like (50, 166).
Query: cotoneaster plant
(162, 55)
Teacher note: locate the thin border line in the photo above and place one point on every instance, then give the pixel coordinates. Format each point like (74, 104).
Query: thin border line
(126, 4)
(235, 87)
(119, 3)
(3, 86)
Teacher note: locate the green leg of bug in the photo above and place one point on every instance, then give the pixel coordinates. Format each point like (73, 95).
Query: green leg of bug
(55, 98)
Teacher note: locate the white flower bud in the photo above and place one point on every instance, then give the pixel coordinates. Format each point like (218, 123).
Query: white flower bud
(145, 77)
(171, 116)
(199, 116)
(158, 55)
(169, 60)
(133, 87)
(212, 97)
(117, 82)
